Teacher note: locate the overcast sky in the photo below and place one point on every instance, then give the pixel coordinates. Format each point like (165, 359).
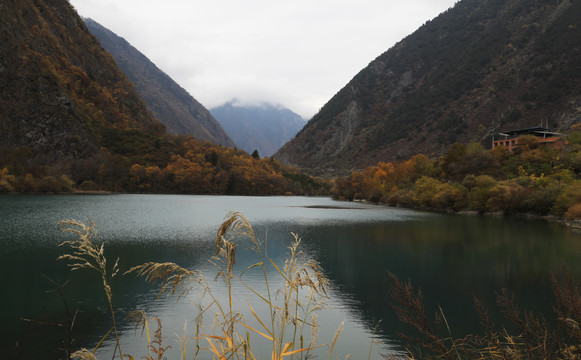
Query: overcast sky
(297, 53)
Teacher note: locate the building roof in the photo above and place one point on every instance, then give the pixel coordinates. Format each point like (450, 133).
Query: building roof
(537, 131)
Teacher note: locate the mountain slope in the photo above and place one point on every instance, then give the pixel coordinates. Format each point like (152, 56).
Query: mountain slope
(264, 128)
(170, 104)
(481, 67)
(60, 90)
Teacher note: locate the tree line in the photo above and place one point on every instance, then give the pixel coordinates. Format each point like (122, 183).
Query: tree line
(138, 162)
(536, 178)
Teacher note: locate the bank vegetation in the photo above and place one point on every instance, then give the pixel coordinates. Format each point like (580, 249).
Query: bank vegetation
(135, 162)
(536, 179)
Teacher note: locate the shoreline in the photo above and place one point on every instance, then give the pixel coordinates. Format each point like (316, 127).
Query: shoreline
(93, 192)
(573, 224)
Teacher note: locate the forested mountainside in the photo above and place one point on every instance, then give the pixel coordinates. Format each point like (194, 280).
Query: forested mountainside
(481, 67)
(171, 104)
(71, 121)
(60, 90)
(264, 128)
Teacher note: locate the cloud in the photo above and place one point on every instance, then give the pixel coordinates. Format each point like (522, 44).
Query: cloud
(297, 53)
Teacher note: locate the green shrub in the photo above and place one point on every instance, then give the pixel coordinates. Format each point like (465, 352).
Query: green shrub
(450, 196)
(570, 196)
(425, 189)
(506, 196)
(88, 185)
(540, 201)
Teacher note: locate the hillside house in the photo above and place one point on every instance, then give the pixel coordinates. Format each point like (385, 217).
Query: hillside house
(509, 139)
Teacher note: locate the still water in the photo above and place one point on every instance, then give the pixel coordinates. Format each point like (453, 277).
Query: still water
(450, 257)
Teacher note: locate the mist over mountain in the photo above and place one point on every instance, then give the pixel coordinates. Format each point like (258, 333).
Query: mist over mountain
(169, 102)
(481, 67)
(264, 127)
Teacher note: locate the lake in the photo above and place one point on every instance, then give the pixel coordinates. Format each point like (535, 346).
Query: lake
(450, 257)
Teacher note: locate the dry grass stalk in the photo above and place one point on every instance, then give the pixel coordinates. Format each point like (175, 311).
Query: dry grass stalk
(88, 255)
(291, 312)
(534, 340)
(410, 310)
(335, 338)
(69, 320)
(232, 334)
(156, 345)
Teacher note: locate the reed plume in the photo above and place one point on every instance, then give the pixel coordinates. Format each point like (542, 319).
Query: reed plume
(170, 275)
(86, 254)
(291, 309)
(287, 318)
(84, 354)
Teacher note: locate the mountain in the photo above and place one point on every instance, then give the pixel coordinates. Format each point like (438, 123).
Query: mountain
(264, 127)
(70, 120)
(170, 103)
(481, 67)
(61, 92)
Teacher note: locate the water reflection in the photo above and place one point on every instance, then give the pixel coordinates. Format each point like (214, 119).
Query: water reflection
(449, 257)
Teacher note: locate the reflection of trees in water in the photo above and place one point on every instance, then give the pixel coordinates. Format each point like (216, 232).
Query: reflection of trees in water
(450, 258)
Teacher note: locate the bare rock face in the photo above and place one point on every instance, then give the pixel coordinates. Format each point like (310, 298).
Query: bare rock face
(478, 68)
(348, 122)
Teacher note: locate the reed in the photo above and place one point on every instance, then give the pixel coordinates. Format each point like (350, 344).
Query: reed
(291, 315)
(535, 337)
(69, 322)
(86, 254)
(285, 324)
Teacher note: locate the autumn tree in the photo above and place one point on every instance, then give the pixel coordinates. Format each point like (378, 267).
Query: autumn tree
(7, 181)
(507, 197)
(421, 166)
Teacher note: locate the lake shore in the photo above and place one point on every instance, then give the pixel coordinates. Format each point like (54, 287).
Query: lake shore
(574, 224)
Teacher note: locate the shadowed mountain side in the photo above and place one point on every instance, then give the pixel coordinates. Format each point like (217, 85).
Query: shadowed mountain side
(170, 103)
(60, 90)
